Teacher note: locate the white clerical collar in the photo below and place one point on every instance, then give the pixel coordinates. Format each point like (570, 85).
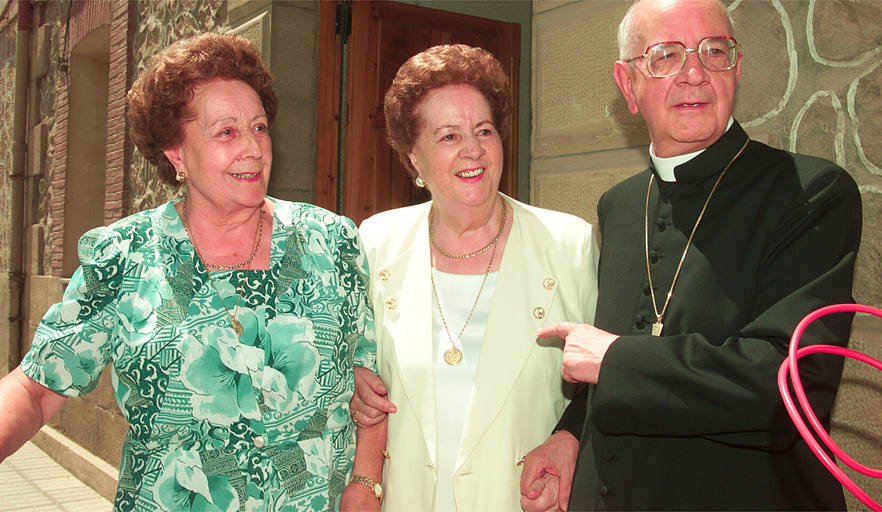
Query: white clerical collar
(664, 167)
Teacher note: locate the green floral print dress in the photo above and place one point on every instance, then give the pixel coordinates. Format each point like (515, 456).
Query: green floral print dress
(219, 422)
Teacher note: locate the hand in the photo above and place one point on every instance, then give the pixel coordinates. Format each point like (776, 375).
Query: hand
(556, 457)
(369, 405)
(584, 350)
(546, 488)
(358, 498)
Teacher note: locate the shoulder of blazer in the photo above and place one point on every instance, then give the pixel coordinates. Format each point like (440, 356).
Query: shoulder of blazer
(393, 231)
(543, 224)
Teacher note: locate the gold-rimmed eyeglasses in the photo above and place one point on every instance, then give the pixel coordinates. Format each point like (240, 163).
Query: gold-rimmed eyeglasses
(665, 59)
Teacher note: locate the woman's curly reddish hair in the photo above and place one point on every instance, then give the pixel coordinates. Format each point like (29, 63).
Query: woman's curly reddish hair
(447, 64)
(157, 102)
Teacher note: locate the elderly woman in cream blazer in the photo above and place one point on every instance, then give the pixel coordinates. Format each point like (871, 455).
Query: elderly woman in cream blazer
(459, 287)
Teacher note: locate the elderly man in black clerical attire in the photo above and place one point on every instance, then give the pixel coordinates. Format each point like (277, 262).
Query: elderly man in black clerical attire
(709, 259)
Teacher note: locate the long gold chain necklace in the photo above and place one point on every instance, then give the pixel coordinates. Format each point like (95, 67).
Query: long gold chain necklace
(467, 255)
(453, 355)
(237, 326)
(659, 316)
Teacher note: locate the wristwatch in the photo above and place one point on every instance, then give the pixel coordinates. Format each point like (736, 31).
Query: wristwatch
(375, 487)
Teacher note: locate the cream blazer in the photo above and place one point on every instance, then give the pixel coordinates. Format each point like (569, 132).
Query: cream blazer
(547, 275)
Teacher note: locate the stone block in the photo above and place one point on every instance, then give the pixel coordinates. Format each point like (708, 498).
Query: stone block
(78, 420)
(844, 31)
(112, 428)
(41, 292)
(257, 30)
(820, 129)
(6, 325)
(574, 184)
(37, 151)
(866, 100)
(766, 74)
(95, 472)
(546, 5)
(42, 51)
(294, 37)
(295, 194)
(238, 10)
(294, 140)
(868, 268)
(577, 106)
(855, 423)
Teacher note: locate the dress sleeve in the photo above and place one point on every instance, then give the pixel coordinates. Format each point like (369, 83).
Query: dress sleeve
(72, 344)
(355, 272)
(725, 389)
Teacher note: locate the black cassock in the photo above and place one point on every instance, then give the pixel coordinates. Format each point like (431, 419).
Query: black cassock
(693, 419)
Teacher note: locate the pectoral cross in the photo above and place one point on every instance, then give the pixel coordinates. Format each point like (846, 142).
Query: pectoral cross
(657, 328)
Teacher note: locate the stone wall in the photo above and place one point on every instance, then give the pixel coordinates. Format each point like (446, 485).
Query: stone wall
(160, 23)
(811, 82)
(7, 105)
(92, 421)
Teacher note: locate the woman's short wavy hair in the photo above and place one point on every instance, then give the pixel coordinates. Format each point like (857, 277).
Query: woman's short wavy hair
(157, 102)
(438, 66)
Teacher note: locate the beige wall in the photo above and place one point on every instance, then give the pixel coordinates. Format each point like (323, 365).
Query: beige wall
(810, 83)
(287, 33)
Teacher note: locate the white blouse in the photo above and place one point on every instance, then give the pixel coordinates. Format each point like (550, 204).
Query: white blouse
(454, 384)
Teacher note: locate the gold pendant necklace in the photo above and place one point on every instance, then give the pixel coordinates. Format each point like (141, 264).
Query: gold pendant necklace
(237, 325)
(658, 325)
(453, 355)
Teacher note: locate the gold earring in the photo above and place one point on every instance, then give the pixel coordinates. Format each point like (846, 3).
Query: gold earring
(180, 176)
(419, 182)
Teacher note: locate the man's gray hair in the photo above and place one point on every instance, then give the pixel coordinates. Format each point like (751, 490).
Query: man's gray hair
(628, 39)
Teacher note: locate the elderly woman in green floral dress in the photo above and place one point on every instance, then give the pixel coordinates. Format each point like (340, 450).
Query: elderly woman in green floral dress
(231, 319)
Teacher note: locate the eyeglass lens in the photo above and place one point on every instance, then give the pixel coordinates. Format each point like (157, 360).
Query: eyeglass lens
(716, 54)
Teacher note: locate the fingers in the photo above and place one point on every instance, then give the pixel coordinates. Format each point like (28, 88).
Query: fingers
(370, 393)
(537, 489)
(375, 382)
(558, 330)
(565, 485)
(367, 407)
(364, 416)
(542, 495)
(365, 376)
(531, 469)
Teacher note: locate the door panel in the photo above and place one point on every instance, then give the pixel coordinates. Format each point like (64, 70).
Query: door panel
(384, 35)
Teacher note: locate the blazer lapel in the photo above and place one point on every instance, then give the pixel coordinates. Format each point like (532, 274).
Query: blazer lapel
(406, 299)
(520, 302)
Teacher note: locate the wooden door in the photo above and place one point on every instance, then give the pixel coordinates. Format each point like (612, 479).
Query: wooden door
(384, 35)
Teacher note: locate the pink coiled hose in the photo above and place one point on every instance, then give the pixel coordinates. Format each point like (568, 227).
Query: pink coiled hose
(789, 368)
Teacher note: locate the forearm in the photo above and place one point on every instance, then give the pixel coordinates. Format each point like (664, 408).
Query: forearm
(369, 449)
(25, 407)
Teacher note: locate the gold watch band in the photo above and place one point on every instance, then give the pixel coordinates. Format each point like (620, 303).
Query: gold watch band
(375, 487)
